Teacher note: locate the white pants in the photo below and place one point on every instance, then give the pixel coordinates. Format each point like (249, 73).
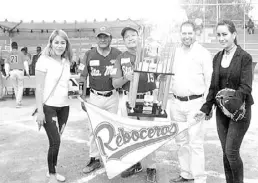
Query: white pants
(149, 160)
(16, 77)
(107, 103)
(191, 151)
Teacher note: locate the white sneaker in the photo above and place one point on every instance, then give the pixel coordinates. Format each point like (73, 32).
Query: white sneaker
(19, 105)
(59, 177)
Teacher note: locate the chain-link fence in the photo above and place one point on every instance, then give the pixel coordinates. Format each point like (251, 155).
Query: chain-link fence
(207, 13)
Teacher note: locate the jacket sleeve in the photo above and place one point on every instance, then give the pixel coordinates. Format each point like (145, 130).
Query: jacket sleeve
(246, 78)
(210, 99)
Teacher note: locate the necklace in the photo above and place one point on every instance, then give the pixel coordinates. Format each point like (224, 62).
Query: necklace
(227, 51)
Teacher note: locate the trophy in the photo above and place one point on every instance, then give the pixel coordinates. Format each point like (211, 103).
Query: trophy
(153, 57)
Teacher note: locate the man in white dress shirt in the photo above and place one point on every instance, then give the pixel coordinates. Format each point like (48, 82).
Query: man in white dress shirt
(192, 71)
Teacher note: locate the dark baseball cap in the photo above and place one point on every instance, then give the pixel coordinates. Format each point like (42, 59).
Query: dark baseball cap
(126, 29)
(104, 30)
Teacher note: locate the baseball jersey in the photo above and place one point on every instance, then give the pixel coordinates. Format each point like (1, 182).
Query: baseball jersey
(16, 59)
(99, 69)
(125, 63)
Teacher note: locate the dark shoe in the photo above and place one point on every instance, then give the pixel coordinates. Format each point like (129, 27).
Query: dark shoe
(151, 175)
(132, 170)
(92, 165)
(180, 179)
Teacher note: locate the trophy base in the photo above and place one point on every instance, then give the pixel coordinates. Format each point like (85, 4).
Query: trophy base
(145, 111)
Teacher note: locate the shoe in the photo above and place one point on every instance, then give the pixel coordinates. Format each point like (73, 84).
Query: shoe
(52, 179)
(92, 165)
(19, 105)
(59, 177)
(151, 175)
(132, 170)
(180, 179)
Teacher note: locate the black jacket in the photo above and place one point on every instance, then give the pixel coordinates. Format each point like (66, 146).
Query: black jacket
(239, 78)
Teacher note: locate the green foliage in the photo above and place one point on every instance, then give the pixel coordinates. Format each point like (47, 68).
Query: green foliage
(217, 9)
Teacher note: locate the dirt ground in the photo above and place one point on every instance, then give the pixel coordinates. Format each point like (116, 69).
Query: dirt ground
(23, 149)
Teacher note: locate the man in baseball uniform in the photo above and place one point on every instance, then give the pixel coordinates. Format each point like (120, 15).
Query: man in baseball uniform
(124, 74)
(15, 64)
(99, 63)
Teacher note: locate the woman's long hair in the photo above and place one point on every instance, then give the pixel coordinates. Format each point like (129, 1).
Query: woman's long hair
(48, 51)
(231, 27)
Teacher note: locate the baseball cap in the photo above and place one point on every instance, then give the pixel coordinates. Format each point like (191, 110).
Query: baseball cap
(126, 29)
(103, 30)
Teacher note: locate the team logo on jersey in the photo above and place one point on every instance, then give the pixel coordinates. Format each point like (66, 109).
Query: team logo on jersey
(94, 63)
(95, 72)
(113, 61)
(125, 60)
(109, 70)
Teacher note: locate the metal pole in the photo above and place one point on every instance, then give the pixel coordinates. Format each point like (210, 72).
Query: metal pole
(244, 27)
(217, 11)
(203, 28)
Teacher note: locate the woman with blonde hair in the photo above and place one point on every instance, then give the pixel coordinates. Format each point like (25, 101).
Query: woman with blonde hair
(52, 80)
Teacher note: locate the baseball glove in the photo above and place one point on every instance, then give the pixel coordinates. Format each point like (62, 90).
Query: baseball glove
(231, 106)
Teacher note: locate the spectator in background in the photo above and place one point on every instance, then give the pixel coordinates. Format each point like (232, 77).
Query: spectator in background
(34, 61)
(1, 78)
(73, 67)
(24, 50)
(250, 26)
(15, 64)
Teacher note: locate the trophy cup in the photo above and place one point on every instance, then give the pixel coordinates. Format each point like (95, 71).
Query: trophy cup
(156, 58)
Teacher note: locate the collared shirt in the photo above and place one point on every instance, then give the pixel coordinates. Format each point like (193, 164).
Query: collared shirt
(192, 71)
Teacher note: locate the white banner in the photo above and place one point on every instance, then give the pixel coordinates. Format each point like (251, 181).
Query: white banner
(122, 142)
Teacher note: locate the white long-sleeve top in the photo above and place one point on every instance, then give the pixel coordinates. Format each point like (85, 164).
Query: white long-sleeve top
(192, 71)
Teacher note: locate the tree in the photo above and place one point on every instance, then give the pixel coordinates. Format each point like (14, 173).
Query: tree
(213, 10)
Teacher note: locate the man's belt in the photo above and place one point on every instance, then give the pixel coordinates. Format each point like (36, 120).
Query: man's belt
(187, 98)
(105, 94)
(139, 95)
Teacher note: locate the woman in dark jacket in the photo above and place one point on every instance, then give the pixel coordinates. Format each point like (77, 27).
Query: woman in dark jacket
(232, 68)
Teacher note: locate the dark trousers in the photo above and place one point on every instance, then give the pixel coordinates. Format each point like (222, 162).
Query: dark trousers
(231, 135)
(56, 118)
